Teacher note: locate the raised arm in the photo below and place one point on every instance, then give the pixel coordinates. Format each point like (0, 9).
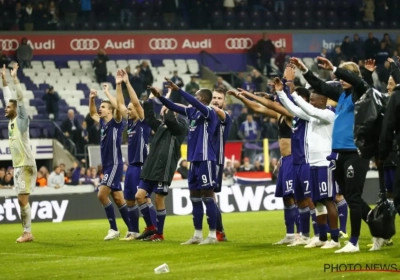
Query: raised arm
(92, 106)
(220, 113)
(317, 84)
(133, 96)
(23, 118)
(175, 125)
(119, 109)
(6, 88)
(254, 105)
(324, 115)
(169, 104)
(149, 115)
(289, 105)
(18, 88)
(120, 103)
(395, 71)
(275, 106)
(189, 98)
(111, 98)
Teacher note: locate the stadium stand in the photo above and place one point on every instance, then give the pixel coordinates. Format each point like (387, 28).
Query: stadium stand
(168, 15)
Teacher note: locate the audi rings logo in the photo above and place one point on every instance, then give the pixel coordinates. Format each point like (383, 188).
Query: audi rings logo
(85, 44)
(163, 44)
(8, 44)
(238, 43)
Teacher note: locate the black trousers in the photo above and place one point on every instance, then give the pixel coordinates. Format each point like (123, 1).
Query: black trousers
(350, 174)
(396, 189)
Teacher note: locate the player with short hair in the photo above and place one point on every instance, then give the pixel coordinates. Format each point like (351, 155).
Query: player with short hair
(222, 132)
(322, 183)
(159, 168)
(138, 139)
(203, 121)
(301, 167)
(25, 171)
(110, 120)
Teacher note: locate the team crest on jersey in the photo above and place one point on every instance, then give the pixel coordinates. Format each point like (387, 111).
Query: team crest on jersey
(12, 126)
(102, 134)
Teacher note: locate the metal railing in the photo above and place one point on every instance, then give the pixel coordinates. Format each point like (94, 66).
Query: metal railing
(68, 144)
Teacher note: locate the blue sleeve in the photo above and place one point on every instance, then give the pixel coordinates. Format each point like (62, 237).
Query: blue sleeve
(195, 103)
(172, 106)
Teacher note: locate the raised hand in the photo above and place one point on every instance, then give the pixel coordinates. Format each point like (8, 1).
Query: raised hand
(278, 84)
(233, 93)
(118, 77)
(325, 63)
(14, 70)
(3, 72)
(390, 60)
(164, 111)
(125, 77)
(298, 63)
(154, 91)
(370, 65)
(290, 72)
(93, 94)
(171, 84)
(105, 87)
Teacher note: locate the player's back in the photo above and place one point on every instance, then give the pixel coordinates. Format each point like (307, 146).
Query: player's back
(221, 136)
(201, 136)
(110, 142)
(138, 140)
(18, 133)
(299, 143)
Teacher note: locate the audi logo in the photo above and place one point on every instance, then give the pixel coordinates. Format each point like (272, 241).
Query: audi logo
(238, 43)
(9, 44)
(85, 44)
(163, 44)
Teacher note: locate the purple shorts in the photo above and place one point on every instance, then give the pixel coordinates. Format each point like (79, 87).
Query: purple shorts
(285, 178)
(202, 175)
(301, 181)
(112, 177)
(132, 179)
(389, 178)
(323, 184)
(220, 175)
(150, 187)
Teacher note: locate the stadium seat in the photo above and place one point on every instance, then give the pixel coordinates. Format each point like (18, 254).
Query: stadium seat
(114, 26)
(393, 24)
(100, 26)
(87, 26)
(381, 25)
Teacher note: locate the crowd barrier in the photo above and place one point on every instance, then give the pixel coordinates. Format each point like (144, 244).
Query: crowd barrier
(80, 203)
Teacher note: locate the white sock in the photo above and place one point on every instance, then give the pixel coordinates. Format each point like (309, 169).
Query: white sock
(26, 217)
(290, 235)
(198, 233)
(212, 234)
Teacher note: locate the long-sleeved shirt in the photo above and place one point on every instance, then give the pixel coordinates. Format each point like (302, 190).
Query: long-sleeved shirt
(319, 129)
(55, 180)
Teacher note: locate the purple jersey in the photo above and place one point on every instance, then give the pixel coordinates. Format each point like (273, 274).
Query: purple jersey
(201, 136)
(299, 143)
(138, 139)
(110, 142)
(221, 137)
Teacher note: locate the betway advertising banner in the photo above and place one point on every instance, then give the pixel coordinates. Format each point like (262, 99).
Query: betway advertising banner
(67, 207)
(129, 44)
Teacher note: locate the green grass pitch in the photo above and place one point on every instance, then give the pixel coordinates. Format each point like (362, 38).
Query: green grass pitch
(73, 250)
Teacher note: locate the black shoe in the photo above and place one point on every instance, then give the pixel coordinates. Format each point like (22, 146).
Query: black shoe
(146, 233)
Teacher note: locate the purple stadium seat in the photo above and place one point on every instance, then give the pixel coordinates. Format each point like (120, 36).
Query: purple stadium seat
(294, 5)
(143, 16)
(100, 26)
(38, 93)
(344, 24)
(87, 26)
(72, 26)
(169, 25)
(320, 24)
(255, 15)
(216, 14)
(229, 25)
(331, 15)
(114, 26)
(255, 24)
(41, 108)
(144, 25)
(62, 103)
(394, 24)
(40, 117)
(243, 16)
(269, 16)
(242, 25)
(369, 25)
(268, 24)
(381, 25)
(127, 26)
(357, 24)
(61, 26)
(35, 131)
(307, 24)
(84, 102)
(217, 23)
(4, 133)
(43, 87)
(281, 24)
(306, 15)
(182, 25)
(280, 16)
(36, 102)
(82, 87)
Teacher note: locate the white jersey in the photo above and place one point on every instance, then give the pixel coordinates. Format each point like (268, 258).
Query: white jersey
(319, 131)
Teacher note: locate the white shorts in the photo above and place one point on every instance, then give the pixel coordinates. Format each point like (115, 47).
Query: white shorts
(25, 179)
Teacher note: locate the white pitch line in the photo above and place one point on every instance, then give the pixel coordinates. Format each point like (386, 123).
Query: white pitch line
(58, 256)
